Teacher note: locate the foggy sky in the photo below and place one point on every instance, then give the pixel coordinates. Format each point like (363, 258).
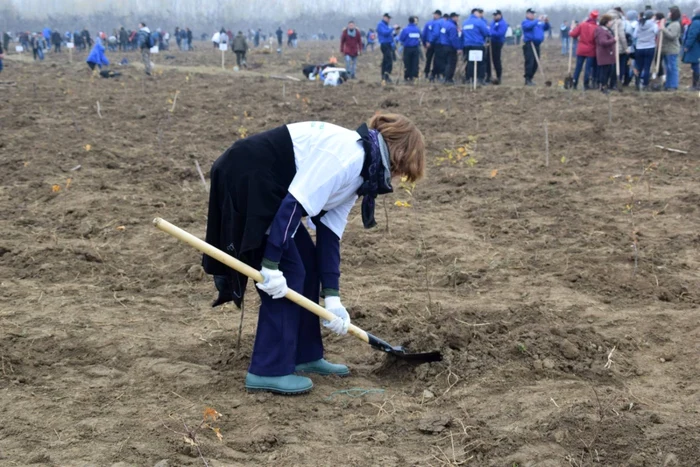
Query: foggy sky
(274, 9)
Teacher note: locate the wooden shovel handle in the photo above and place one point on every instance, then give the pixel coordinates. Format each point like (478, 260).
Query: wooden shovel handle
(617, 49)
(537, 59)
(246, 270)
(658, 55)
(571, 47)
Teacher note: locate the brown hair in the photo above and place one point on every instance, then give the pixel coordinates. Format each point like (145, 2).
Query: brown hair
(675, 13)
(405, 142)
(605, 19)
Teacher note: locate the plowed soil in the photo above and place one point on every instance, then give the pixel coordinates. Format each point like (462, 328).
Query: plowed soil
(561, 281)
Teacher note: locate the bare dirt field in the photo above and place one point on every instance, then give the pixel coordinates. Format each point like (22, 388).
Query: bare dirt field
(563, 296)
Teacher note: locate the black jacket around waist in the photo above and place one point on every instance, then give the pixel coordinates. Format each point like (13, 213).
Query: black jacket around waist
(248, 183)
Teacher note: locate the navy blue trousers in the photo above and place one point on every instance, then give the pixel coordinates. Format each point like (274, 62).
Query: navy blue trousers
(287, 334)
(589, 75)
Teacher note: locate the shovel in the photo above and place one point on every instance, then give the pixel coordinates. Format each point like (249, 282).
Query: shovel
(569, 80)
(491, 67)
(656, 81)
(617, 54)
(539, 65)
(295, 297)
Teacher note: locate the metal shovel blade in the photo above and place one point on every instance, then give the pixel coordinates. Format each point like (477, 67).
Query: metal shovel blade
(401, 353)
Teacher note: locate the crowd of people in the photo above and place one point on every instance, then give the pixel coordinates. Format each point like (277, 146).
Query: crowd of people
(612, 50)
(440, 43)
(638, 38)
(121, 39)
(619, 47)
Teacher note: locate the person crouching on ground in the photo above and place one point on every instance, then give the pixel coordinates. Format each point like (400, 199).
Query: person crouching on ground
(97, 57)
(261, 188)
(605, 50)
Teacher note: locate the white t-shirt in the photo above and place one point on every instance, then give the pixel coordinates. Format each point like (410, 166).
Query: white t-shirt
(329, 161)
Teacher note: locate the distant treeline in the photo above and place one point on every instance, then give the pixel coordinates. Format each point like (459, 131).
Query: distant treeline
(330, 24)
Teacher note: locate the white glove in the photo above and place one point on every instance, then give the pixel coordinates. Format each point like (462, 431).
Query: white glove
(274, 284)
(341, 323)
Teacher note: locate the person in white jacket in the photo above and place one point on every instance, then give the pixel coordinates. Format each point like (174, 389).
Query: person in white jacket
(261, 189)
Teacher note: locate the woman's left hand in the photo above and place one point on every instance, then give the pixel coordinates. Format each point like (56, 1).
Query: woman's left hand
(341, 323)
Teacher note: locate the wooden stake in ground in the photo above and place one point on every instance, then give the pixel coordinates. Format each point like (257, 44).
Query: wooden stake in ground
(201, 175)
(172, 109)
(99, 113)
(240, 327)
(546, 144)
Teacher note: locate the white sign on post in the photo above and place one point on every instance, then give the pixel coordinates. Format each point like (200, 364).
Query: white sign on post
(70, 45)
(476, 55)
(19, 49)
(223, 47)
(154, 49)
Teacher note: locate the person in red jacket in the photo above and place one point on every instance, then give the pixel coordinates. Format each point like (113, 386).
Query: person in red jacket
(585, 51)
(605, 50)
(351, 47)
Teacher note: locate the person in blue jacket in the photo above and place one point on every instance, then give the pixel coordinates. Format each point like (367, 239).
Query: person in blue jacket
(97, 57)
(411, 39)
(46, 33)
(498, 30)
(691, 49)
(475, 32)
(440, 57)
(385, 35)
(449, 45)
(427, 36)
(533, 36)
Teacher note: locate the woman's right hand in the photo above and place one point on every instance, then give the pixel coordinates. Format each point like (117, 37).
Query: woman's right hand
(274, 284)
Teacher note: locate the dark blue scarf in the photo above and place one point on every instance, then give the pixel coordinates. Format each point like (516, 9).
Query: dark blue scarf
(376, 173)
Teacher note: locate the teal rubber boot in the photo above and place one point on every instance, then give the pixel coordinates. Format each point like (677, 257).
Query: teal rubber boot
(322, 367)
(287, 385)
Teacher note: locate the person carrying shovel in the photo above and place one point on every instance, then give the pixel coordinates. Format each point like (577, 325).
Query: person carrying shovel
(261, 188)
(533, 36)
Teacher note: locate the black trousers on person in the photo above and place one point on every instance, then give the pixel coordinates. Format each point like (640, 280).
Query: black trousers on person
(387, 60)
(440, 60)
(240, 57)
(451, 66)
(607, 77)
(480, 66)
(530, 60)
(411, 62)
(429, 55)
